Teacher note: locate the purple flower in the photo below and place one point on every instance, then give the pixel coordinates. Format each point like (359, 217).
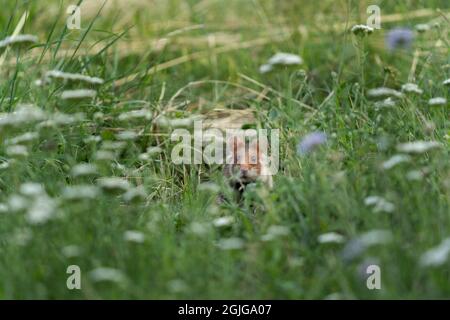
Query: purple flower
(311, 141)
(399, 38)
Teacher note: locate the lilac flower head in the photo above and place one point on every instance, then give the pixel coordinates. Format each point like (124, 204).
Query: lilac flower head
(399, 38)
(311, 141)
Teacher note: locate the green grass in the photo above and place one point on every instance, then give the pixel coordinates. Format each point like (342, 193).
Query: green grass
(322, 192)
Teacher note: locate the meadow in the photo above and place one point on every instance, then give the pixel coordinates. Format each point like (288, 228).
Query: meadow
(87, 180)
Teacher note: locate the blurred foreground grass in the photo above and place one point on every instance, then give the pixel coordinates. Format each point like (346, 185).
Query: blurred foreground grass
(310, 237)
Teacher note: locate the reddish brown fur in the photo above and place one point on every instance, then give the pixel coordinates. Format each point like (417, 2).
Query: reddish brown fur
(248, 169)
(239, 148)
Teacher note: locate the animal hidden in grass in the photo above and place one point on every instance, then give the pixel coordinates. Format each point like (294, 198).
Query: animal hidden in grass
(242, 153)
(246, 163)
(251, 155)
(247, 158)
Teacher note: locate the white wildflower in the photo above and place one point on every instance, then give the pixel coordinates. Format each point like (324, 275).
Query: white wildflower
(39, 82)
(61, 119)
(32, 189)
(78, 94)
(126, 135)
(386, 103)
(143, 113)
(415, 175)
(24, 138)
(438, 101)
(104, 155)
(264, 68)
(135, 194)
(83, 169)
(374, 237)
(358, 245)
(335, 296)
(41, 209)
(361, 29)
(418, 146)
(80, 192)
(275, 231)
(64, 119)
(17, 151)
(395, 160)
(446, 82)
(199, 228)
(231, 244)
(144, 157)
(56, 74)
(107, 274)
(154, 150)
(98, 116)
(331, 237)
(278, 230)
(151, 152)
(24, 114)
(285, 59)
(134, 236)
(17, 203)
(223, 221)
(422, 27)
(92, 139)
(411, 88)
(384, 92)
(18, 39)
(3, 208)
(114, 184)
(4, 165)
(379, 204)
(176, 123)
(436, 256)
(281, 58)
(113, 145)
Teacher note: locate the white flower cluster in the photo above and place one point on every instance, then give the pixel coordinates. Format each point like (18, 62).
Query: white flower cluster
(361, 30)
(281, 58)
(20, 39)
